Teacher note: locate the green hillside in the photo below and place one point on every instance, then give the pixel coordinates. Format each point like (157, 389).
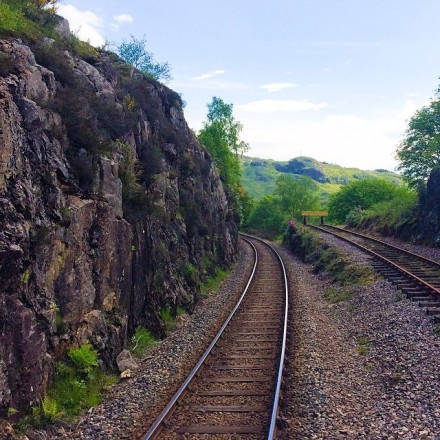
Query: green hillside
(259, 175)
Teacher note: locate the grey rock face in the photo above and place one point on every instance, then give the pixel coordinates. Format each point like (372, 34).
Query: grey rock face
(62, 27)
(125, 361)
(80, 262)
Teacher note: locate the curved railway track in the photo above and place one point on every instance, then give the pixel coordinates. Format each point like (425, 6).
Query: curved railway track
(417, 276)
(234, 389)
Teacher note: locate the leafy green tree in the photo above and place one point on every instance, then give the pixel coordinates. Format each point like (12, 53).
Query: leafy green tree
(135, 53)
(214, 138)
(291, 196)
(221, 113)
(360, 194)
(296, 195)
(268, 216)
(221, 137)
(419, 152)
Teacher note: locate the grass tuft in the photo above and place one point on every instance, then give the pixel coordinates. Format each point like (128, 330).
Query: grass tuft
(363, 345)
(141, 341)
(212, 283)
(336, 295)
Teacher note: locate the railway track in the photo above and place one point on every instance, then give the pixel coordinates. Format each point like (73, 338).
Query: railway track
(234, 389)
(417, 276)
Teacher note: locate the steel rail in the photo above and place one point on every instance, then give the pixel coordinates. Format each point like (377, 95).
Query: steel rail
(162, 416)
(381, 257)
(391, 246)
(276, 399)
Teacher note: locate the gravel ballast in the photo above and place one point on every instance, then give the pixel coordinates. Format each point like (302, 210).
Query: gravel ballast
(425, 251)
(366, 368)
(132, 405)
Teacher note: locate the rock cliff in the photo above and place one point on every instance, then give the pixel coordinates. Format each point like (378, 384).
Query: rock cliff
(110, 210)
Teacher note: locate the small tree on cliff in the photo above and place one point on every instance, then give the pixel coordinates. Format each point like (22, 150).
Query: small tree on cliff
(419, 153)
(135, 53)
(221, 137)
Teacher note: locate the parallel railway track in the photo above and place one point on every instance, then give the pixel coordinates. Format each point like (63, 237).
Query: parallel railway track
(234, 389)
(417, 276)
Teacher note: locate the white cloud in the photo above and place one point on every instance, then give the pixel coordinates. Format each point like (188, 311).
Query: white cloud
(209, 75)
(366, 142)
(123, 18)
(281, 105)
(85, 24)
(276, 87)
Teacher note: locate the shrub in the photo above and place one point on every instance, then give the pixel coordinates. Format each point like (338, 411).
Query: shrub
(336, 295)
(393, 213)
(53, 58)
(180, 311)
(130, 170)
(81, 48)
(212, 283)
(141, 341)
(168, 319)
(78, 384)
(84, 359)
(359, 194)
(190, 274)
(309, 248)
(363, 345)
(13, 21)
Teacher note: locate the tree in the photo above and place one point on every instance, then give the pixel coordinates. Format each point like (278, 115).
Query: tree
(135, 53)
(220, 113)
(296, 195)
(419, 153)
(361, 194)
(221, 137)
(268, 216)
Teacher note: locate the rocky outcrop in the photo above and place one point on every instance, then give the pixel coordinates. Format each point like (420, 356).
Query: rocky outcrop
(110, 210)
(429, 209)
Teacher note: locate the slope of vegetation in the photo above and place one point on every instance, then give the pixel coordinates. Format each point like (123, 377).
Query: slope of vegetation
(259, 175)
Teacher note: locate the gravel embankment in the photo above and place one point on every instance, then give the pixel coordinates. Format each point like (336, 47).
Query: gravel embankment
(131, 406)
(366, 368)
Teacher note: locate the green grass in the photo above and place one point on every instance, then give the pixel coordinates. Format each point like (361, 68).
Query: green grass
(169, 320)
(309, 247)
(24, 18)
(141, 341)
(190, 274)
(212, 283)
(180, 311)
(336, 295)
(78, 385)
(363, 345)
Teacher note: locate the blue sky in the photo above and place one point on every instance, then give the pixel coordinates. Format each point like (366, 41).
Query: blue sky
(333, 79)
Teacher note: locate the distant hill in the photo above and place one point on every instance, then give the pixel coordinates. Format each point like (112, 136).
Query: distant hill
(259, 175)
